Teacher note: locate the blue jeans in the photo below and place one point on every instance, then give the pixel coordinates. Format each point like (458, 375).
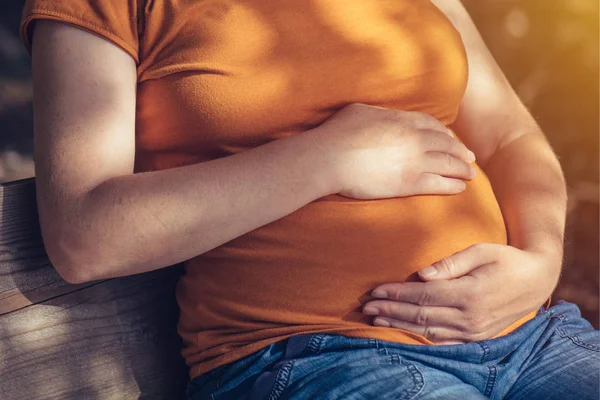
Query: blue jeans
(553, 356)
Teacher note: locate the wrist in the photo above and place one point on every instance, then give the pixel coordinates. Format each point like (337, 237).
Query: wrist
(320, 161)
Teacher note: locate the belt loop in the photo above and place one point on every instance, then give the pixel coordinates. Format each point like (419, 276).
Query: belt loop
(264, 384)
(296, 345)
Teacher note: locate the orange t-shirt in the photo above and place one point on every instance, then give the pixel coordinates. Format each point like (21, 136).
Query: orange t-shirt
(220, 77)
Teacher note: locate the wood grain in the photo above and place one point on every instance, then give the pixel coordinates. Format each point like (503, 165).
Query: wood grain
(26, 276)
(111, 339)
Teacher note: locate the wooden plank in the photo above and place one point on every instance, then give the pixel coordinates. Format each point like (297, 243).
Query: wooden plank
(111, 339)
(26, 276)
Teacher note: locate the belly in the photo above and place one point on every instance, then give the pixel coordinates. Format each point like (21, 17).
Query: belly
(319, 264)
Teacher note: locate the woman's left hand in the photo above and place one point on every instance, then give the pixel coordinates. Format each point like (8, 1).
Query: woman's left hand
(472, 295)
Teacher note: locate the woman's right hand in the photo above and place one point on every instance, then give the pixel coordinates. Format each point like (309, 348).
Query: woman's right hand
(375, 153)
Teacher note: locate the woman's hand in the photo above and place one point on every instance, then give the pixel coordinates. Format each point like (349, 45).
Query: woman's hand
(377, 153)
(472, 295)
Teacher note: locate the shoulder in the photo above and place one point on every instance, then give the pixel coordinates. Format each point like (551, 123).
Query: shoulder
(113, 20)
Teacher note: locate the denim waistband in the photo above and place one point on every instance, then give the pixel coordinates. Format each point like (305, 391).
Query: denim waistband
(275, 361)
(473, 352)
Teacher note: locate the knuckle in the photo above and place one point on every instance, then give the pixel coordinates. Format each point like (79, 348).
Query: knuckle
(431, 333)
(444, 291)
(448, 265)
(472, 291)
(425, 298)
(479, 247)
(386, 308)
(449, 161)
(476, 324)
(422, 316)
(393, 293)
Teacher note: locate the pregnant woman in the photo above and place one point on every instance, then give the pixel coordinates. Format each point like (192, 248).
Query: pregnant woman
(313, 163)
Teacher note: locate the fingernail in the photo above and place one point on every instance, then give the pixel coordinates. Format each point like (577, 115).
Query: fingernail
(381, 322)
(370, 311)
(379, 293)
(450, 132)
(471, 156)
(473, 172)
(428, 272)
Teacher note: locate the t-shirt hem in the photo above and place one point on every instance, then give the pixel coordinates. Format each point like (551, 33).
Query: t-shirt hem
(399, 336)
(203, 366)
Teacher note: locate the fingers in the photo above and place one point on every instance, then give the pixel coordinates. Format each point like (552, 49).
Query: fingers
(428, 183)
(440, 142)
(438, 316)
(461, 263)
(434, 334)
(464, 332)
(434, 293)
(446, 165)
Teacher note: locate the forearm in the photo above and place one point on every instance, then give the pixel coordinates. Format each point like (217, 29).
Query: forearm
(529, 184)
(141, 222)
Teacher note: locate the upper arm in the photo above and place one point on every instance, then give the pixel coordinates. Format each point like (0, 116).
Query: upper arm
(84, 117)
(491, 114)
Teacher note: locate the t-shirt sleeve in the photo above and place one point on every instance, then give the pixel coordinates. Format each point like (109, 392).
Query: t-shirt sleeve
(114, 20)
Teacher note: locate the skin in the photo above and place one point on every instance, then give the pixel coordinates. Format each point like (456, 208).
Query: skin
(476, 293)
(89, 200)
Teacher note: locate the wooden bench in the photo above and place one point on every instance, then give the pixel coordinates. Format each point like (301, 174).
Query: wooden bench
(109, 339)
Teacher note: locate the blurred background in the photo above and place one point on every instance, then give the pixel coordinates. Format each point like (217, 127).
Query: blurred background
(547, 48)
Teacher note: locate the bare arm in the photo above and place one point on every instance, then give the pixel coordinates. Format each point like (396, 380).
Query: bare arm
(100, 220)
(482, 291)
(509, 145)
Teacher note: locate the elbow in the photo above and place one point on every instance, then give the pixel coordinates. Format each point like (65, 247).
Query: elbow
(72, 277)
(69, 268)
(71, 260)
(76, 247)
